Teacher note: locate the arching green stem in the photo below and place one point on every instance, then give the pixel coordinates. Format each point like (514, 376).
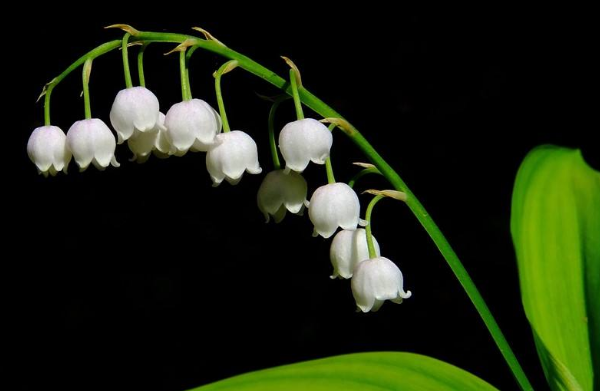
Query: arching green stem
(225, 68)
(87, 72)
(296, 94)
(140, 64)
(272, 138)
(125, 52)
(95, 53)
(186, 94)
(386, 170)
(369, 228)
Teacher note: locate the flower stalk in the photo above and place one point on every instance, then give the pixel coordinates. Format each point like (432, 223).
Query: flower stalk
(272, 138)
(225, 68)
(140, 63)
(186, 93)
(125, 53)
(329, 164)
(296, 95)
(86, 74)
(369, 227)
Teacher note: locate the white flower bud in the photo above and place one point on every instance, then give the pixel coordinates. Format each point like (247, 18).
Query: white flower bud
(348, 249)
(142, 144)
(92, 142)
(232, 154)
(193, 125)
(334, 206)
(47, 149)
(304, 141)
(376, 281)
(281, 192)
(134, 109)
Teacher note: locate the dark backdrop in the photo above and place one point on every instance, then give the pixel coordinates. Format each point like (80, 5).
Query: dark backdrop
(146, 278)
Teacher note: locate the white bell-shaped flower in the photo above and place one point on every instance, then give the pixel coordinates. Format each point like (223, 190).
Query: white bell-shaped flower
(376, 281)
(193, 125)
(92, 142)
(47, 149)
(199, 146)
(134, 110)
(281, 192)
(332, 206)
(232, 154)
(142, 144)
(304, 141)
(348, 249)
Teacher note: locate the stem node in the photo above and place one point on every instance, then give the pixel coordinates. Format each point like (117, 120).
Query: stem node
(342, 124)
(208, 36)
(182, 47)
(125, 27)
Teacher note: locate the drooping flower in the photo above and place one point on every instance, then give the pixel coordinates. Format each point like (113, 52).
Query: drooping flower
(332, 206)
(348, 249)
(47, 149)
(134, 110)
(142, 144)
(231, 156)
(304, 141)
(199, 146)
(92, 142)
(375, 281)
(281, 192)
(193, 125)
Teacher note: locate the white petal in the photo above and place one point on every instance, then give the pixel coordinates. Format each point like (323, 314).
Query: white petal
(142, 144)
(160, 124)
(295, 191)
(280, 215)
(270, 198)
(81, 143)
(304, 141)
(233, 154)
(233, 181)
(375, 281)
(134, 109)
(91, 141)
(333, 206)
(162, 144)
(340, 254)
(199, 146)
(192, 122)
(362, 288)
(348, 249)
(180, 125)
(377, 305)
(47, 149)
(104, 142)
(282, 190)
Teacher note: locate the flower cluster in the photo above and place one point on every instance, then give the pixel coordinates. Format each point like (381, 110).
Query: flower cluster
(136, 118)
(194, 126)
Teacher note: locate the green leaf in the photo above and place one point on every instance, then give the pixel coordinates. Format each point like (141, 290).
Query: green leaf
(556, 230)
(360, 372)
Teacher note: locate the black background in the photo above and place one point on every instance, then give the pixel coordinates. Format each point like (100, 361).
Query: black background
(146, 278)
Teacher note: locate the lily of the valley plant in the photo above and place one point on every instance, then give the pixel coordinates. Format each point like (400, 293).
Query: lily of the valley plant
(193, 126)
